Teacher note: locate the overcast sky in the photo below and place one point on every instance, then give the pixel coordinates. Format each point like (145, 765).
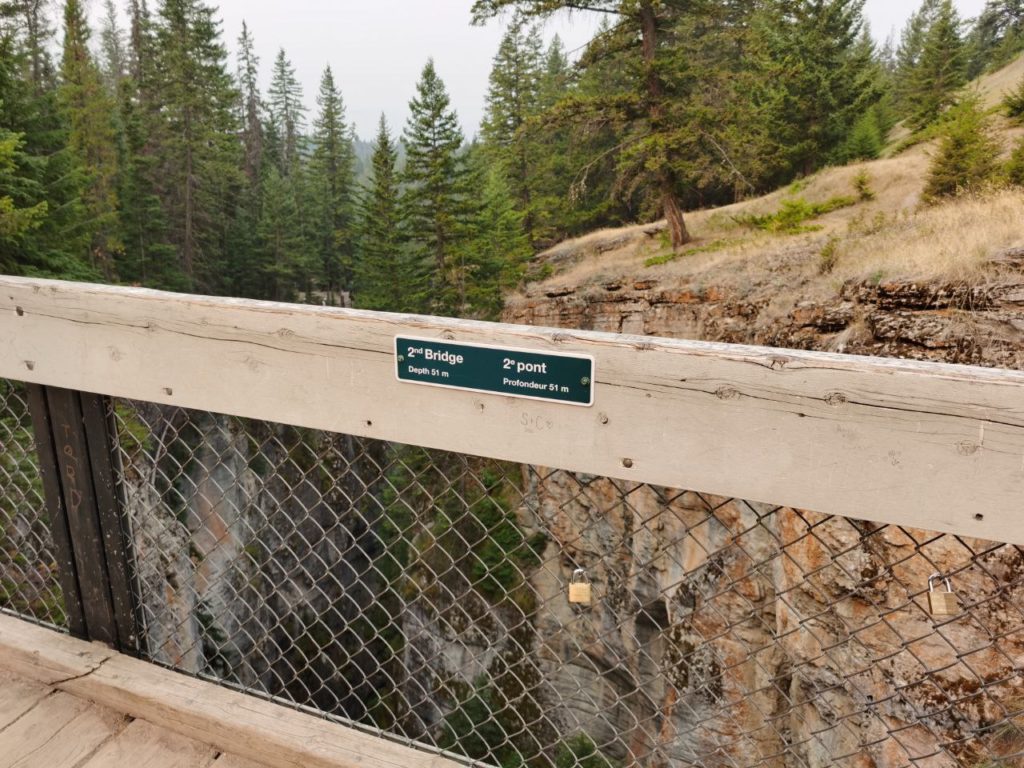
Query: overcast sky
(377, 48)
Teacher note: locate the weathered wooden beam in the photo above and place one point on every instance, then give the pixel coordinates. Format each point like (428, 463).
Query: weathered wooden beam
(248, 727)
(927, 445)
(60, 533)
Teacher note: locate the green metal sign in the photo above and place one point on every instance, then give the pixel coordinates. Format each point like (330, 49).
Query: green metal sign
(499, 370)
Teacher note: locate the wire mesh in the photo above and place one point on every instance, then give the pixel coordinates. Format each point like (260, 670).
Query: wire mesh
(424, 595)
(28, 568)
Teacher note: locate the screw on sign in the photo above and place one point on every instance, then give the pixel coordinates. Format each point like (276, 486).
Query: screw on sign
(941, 603)
(579, 588)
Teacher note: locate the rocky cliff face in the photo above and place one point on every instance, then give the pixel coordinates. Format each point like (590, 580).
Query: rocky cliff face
(745, 635)
(978, 323)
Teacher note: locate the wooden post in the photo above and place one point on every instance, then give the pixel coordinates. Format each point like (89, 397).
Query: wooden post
(76, 458)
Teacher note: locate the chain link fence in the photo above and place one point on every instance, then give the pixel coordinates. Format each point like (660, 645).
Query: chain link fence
(424, 595)
(28, 568)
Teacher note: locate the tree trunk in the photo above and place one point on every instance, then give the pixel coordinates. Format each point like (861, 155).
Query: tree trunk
(656, 112)
(673, 212)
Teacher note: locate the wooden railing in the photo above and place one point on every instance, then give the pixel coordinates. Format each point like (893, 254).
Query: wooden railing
(927, 445)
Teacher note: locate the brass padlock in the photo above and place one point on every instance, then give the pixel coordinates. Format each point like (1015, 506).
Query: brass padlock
(941, 603)
(579, 587)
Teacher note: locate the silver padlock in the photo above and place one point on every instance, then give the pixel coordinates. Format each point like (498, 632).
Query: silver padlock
(941, 603)
(579, 587)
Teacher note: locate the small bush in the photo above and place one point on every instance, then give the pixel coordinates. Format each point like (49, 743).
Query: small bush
(1015, 167)
(967, 160)
(665, 258)
(792, 214)
(829, 256)
(1014, 102)
(862, 183)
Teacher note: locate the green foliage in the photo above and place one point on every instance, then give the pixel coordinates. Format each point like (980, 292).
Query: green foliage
(1014, 102)
(862, 183)
(665, 258)
(579, 751)
(386, 277)
(967, 157)
(435, 203)
(1015, 165)
(332, 182)
(792, 214)
(940, 70)
(89, 109)
(828, 257)
(482, 727)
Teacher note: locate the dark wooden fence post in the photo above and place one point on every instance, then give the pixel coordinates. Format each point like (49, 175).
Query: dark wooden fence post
(73, 432)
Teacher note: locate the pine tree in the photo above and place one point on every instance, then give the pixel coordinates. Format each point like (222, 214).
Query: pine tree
(513, 98)
(996, 37)
(911, 46)
(198, 152)
(641, 35)
(386, 277)
(941, 70)
(1015, 166)
(92, 138)
(494, 256)
(112, 41)
(287, 113)
(834, 78)
(16, 221)
(40, 183)
(967, 158)
(332, 177)
(283, 268)
(435, 199)
(251, 111)
(1014, 101)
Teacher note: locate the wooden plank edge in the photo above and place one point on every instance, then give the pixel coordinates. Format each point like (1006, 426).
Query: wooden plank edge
(246, 726)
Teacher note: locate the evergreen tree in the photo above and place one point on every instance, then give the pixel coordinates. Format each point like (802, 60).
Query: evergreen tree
(1014, 101)
(494, 256)
(941, 69)
(198, 152)
(332, 177)
(16, 220)
(513, 98)
(386, 277)
(996, 37)
(251, 111)
(655, 135)
(1015, 166)
(92, 137)
(287, 113)
(45, 178)
(908, 53)
(967, 158)
(115, 57)
(283, 267)
(435, 200)
(834, 77)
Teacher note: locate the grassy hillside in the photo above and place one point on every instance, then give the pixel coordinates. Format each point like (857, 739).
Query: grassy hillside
(863, 221)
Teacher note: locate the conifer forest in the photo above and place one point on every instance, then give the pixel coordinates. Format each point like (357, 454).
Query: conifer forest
(141, 153)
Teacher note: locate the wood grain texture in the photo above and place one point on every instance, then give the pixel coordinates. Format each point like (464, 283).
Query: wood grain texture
(59, 732)
(144, 745)
(926, 445)
(17, 697)
(232, 722)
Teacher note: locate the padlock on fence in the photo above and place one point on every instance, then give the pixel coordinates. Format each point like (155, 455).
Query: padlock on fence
(941, 603)
(579, 587)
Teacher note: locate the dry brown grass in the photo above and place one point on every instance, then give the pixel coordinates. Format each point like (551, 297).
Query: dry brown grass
(995, 86)
(954, 240)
